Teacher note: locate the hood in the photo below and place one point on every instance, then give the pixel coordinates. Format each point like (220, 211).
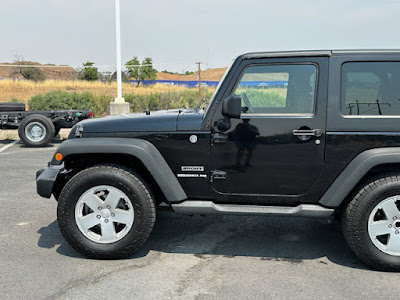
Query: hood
(158, 121)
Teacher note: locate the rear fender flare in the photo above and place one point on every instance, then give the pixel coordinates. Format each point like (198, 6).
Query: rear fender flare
(355, 171)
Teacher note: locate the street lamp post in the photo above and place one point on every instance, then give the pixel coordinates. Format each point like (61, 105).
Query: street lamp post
(119, 106)
(118, 43)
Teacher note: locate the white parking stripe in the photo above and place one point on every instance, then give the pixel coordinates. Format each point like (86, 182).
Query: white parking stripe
(8, 146)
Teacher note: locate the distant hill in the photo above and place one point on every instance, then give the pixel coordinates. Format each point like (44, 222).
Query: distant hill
(56, 72)
(68, 73)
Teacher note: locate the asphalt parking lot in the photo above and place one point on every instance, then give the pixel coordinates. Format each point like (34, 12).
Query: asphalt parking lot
(212, 257)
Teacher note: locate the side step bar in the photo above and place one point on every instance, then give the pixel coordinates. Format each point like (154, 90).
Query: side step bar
(210, 208)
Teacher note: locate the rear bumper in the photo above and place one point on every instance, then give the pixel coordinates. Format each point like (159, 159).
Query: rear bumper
(45, 179)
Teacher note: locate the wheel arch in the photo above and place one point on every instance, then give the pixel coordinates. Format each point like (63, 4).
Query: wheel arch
(363, 167)
(138, 155)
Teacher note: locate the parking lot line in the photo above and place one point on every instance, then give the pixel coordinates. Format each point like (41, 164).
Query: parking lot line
(8, 146)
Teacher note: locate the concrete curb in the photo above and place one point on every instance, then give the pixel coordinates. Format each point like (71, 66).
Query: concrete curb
(13, 134)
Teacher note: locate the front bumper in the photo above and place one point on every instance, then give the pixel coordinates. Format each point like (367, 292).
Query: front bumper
(45, 179)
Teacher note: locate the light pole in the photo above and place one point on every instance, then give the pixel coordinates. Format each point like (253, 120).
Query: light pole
(119, 106)
(118, 42)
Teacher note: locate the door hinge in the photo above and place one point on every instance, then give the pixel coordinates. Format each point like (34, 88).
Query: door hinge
(217, 174)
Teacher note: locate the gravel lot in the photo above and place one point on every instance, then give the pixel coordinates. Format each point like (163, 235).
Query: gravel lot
(197, 257)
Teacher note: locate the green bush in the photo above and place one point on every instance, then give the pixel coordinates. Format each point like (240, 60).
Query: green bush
(58, 100)
(100, 104)
(170, 100)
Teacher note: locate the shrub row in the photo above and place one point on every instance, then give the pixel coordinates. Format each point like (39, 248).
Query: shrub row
(58, 100)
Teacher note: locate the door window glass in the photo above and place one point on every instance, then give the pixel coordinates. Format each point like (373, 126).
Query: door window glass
(278, 89)
(371, 88)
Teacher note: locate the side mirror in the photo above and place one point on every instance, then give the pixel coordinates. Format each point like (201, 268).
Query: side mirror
(232, 107)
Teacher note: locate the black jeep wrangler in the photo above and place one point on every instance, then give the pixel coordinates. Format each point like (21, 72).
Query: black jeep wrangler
(307, 134)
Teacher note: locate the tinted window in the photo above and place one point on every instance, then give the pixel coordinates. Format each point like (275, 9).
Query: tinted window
(371, 88)
(278, 89)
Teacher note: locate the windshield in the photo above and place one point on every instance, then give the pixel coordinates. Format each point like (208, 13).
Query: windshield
(217, 89)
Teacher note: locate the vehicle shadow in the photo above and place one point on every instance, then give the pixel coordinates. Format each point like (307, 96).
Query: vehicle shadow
(268, 238)
(6, 142)
(54, 142)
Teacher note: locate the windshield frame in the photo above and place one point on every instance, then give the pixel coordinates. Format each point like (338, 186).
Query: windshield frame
(218, 88)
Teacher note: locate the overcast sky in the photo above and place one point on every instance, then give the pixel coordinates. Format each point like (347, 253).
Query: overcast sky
(177, 33)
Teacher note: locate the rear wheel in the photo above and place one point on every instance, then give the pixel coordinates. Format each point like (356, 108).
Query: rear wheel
(36, 131)
(106, 212)
(372, 223)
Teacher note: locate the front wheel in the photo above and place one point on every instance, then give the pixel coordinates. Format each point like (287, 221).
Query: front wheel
(371, 223)
(106, 212)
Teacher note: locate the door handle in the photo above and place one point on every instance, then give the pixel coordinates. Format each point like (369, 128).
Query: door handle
(307, 132)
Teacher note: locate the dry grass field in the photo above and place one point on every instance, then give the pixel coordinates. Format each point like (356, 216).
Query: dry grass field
(24, 90)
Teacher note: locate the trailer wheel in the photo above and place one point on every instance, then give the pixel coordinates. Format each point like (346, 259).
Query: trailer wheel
(36, 131)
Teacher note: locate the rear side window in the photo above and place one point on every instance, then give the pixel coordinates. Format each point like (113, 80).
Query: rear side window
(371, 88)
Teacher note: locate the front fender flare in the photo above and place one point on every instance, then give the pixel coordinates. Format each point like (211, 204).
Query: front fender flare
(143, 150)
(355, 171)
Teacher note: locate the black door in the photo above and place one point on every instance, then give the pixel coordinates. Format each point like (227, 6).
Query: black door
(277, 147)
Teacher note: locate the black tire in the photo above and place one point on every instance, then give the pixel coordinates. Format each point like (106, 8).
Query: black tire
(127, 182)
(10, 106)
(42, 123)
(356, 217)
(56, 131)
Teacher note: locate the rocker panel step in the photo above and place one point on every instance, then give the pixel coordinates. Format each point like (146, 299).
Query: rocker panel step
(210, 208)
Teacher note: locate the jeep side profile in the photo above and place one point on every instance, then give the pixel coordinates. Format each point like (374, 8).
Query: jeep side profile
(306, 134)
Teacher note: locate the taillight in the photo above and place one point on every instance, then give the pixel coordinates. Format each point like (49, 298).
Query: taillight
(90, 114)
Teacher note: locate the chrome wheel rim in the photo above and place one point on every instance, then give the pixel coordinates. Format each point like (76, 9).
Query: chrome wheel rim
(35, 131)
(104, 214)
(384, 226)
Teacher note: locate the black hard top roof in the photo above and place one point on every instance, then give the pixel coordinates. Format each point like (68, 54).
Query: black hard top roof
(320, 53)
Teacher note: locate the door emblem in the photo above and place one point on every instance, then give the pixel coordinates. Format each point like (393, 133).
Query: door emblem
(192, 168)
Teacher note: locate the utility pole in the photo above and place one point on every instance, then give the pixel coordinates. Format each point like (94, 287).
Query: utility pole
(199, 63)
(119, 106)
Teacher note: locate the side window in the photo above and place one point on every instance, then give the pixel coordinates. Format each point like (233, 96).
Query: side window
(371, 88)
(278, 89)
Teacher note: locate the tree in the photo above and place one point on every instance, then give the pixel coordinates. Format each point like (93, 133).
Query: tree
(29, 72)
(89, 72)
(147, 71)
(140, 72)
(32, 73)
